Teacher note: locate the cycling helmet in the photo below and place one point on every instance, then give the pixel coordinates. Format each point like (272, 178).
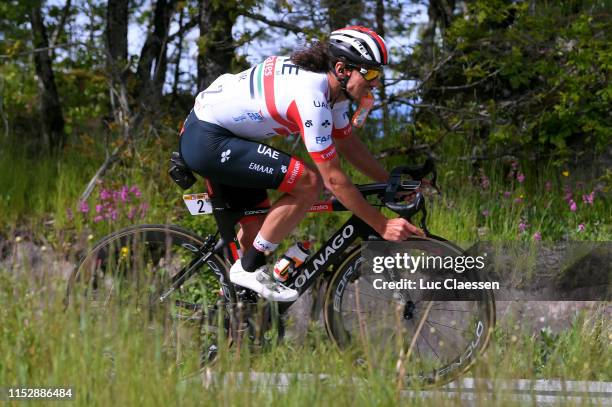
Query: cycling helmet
(359, 46)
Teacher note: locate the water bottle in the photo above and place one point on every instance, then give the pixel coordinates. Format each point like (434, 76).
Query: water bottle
(293, 258)
(365, 105)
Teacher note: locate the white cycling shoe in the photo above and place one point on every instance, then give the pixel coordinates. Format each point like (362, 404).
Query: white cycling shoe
(262, 283)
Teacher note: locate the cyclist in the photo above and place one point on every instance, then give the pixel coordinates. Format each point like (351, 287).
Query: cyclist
(308, 93)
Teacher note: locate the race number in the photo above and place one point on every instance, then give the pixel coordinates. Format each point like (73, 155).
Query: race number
(198, 204)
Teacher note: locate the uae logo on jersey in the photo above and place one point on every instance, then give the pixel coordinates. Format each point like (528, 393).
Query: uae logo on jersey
(225, 156)
(308, 123)
(283, 169)
(326, 123)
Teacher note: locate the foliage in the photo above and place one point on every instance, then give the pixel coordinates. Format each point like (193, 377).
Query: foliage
(522, 73)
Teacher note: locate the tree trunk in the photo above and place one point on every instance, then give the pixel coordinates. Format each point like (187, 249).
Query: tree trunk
(440, 13)
(50, 106)
(380, 29)
(216, 44)
(179, 55)
(116, 60)
(151, 71)
(117, 33)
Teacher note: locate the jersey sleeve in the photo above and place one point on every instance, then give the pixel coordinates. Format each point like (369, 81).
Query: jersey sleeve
(314, 118)
(342, 125)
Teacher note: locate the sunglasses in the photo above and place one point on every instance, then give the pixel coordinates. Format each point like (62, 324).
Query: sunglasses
(369, 74)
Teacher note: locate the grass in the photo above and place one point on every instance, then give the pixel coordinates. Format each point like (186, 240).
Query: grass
(42, 344)
(125, 361)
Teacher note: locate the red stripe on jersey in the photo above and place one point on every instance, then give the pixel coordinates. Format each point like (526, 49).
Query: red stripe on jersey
(268, 73)
(293, 114)
(379, 40)
(342, 133)
(325, 155)
(296, 168)
(281, 131)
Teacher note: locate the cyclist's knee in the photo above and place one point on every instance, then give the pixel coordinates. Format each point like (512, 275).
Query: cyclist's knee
(308, 185)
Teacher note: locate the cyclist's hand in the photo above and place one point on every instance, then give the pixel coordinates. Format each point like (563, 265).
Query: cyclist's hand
(399, 229)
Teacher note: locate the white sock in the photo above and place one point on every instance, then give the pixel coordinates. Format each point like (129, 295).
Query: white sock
(263, 245)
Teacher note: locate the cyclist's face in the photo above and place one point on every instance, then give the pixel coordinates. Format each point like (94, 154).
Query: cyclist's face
(358, 86)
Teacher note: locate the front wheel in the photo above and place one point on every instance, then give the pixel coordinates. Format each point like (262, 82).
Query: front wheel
(379, 325)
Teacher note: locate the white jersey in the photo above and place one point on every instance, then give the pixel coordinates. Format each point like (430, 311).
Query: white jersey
(273, 98)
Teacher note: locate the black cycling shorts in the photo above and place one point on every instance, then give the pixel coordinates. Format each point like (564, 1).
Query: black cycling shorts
(244, 168)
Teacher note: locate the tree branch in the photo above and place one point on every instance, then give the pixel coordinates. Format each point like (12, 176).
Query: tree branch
(184, 28)
(466, 86)
(43, 49)
(58, 30)
(279, 24)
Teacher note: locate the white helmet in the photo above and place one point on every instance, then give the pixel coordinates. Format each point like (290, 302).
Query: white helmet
(359, 46)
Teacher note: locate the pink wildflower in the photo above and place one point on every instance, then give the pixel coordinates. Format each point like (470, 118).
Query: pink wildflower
(135, 191)
(99, 208)
(518, 200)
(548, 186)
(537, 236)
(522, 227)
(507, 194)
(143, 209)
(98, 218)
(485, 213)
(83, 207)
(123, 194)
(572, 205)
(520, 177)
(105, 194)
(69, 214)
(484, 181)
(581, 227)
(514, 165)
(588, 199)
(131, 213)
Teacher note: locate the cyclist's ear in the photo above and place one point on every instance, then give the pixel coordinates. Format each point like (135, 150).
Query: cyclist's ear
(340, 67)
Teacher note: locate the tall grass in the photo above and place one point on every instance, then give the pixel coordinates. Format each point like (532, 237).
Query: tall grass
(42, 344)
(128, 360)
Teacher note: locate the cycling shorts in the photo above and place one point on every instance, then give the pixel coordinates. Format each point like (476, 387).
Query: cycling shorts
(244, 168)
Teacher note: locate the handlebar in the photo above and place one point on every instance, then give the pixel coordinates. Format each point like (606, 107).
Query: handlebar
(417, 173)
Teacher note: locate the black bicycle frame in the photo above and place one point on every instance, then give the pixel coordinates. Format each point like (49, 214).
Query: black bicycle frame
(330, 254)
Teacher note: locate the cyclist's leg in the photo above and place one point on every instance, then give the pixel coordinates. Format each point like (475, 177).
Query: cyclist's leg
(243, 198)
(224, 158)
(217, 154)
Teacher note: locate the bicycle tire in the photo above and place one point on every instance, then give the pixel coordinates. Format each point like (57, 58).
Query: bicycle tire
(346, 326)
(129, 269)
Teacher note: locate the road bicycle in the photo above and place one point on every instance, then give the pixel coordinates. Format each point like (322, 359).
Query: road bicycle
(152, 267)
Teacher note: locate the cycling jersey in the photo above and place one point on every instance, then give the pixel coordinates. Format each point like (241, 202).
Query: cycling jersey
(273, 98)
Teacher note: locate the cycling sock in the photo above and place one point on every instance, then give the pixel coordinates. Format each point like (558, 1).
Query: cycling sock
(253, 259)
(256, 257)
(263, 245)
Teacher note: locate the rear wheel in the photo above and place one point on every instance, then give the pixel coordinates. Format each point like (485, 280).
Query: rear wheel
(379, 325)
(125, 274)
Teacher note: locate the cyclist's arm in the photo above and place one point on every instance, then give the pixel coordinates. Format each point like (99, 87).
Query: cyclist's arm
(356, 152)
(342, 187)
